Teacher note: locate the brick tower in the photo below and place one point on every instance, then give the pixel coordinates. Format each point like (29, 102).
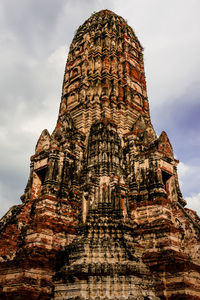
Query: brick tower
(102, 216)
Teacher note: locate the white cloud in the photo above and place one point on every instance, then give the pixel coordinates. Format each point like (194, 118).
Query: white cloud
(183, 169)
(193, 202)
(169, 34)
(5, 202)
(57, 58)
(189, 179)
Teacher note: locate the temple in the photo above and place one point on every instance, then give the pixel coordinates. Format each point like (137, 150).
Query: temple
(102, 216)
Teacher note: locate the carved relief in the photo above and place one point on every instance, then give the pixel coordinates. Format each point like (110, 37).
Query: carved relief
(102, 214)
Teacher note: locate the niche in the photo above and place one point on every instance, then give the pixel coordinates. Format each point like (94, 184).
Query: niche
(41, 173)
(39, 176)
(166, 181)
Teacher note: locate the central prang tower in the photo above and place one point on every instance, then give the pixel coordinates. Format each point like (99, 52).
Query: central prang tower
(104, 75)
(102, 216)
(104, 96)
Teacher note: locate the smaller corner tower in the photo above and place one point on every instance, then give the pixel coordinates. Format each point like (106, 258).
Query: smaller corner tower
(102, 215)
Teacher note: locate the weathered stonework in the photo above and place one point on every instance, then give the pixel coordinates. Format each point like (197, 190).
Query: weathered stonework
(102, 216)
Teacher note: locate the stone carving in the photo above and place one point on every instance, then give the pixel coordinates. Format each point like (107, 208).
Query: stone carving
(102, 215)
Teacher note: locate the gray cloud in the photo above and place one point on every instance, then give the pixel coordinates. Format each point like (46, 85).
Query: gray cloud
(34, 40)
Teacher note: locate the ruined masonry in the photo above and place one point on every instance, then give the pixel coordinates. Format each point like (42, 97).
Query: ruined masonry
(102, 216)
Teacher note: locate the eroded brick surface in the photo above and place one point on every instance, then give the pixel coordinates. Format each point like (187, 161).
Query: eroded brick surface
(102, 216)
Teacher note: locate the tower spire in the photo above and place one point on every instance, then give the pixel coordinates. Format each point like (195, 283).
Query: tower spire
(102, 216)
(104, 74)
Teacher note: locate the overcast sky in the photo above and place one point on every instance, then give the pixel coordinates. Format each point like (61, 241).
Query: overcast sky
(34, 40)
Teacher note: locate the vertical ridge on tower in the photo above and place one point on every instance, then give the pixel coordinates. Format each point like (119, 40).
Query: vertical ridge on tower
(102, 215)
